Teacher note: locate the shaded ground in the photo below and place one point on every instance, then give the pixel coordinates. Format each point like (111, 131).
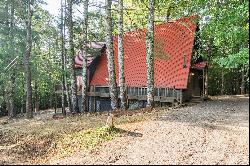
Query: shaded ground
(24, 141)
(213, 132)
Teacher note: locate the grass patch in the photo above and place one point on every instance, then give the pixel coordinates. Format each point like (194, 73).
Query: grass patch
(85, 140)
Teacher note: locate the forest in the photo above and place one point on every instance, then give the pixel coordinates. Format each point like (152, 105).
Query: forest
(161, 82)
(37, 49)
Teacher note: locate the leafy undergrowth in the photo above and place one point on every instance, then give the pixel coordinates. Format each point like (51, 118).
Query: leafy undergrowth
(36, 141)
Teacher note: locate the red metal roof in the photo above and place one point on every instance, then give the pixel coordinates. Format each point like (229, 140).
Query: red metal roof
(173, 47)
(199, 65)
(79, 57)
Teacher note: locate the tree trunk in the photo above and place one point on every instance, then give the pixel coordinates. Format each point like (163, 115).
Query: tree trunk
(237, 82)
(55, 103)
(50, 80)
(9, 95)
(7, 101)
(121, 56)
(150, 55)
(210, 51)
(232, 79)
(12, 106)
(36, 98)
(12, 111)
(242, 87)
(72, 56)
(84, 55)
(67, 89)
(63, 60)
(168, 12)
(23, 97)
(206, 82)
(110, 55)
(50, 100)
(29, 111)
(222, 82)
(68, 97)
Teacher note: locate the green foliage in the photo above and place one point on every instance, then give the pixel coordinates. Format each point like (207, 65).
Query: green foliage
(237, 60)
(44, 56)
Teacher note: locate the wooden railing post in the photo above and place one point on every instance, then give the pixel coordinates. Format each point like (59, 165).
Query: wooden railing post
(181, 97)
(94, 102)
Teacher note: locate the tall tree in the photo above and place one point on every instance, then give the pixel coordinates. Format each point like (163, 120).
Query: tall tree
(11, 75)
(121, 55)
(63, 59)
(84, 54)
(72, 57)
(110, 55)
(26, 60)
(150, 55)
(67, 89)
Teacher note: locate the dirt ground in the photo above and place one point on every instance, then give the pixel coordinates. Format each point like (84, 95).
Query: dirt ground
(212, 132)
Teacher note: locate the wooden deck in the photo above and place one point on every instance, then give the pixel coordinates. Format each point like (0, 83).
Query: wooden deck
(139, 93)
(162, 95)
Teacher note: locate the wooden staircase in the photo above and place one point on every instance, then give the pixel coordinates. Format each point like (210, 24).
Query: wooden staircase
(196, 99)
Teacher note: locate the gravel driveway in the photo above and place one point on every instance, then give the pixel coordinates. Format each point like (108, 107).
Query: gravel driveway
(212, 132)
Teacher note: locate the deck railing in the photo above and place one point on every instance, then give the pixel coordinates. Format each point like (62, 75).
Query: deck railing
(169, 94)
